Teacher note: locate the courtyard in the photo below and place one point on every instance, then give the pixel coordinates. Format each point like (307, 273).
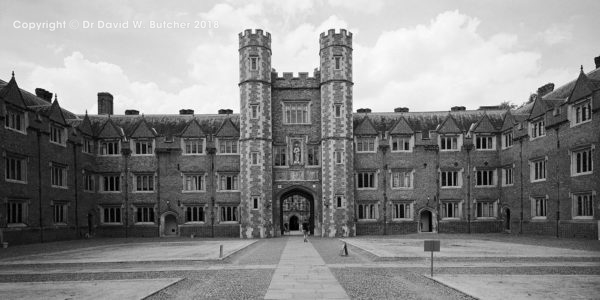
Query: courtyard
(490, 266)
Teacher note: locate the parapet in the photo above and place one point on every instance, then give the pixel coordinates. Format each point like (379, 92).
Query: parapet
(343, 38)
(257, 38)
(290, 81)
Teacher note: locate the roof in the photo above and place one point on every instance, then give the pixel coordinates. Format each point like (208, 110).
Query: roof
(564, 91)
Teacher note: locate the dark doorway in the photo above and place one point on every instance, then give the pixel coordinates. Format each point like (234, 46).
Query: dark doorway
(90, 221)
(170, 225)
(294, 224)
(507, 224)
(426, 221)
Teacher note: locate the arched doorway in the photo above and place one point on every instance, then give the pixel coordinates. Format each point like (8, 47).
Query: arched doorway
(507, 219)
(297, 206)
(426, 221)
(168, 224)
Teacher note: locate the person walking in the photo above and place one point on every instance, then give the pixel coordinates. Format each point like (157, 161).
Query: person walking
(305, 230)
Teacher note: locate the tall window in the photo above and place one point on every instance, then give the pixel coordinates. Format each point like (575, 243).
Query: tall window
(339, 201)
(229, 213)
(254, 111)
(402, 211)
(368, 211)
(339, 158)
(486, 209)
(110, 147)
(88, 182)
(581, 162)
(402, 179)
(193, 182)
(583, 207)
(451, 209)
(365, 180)
(57, 135)
(58, 176)
(88, 146)
(485, 178)
(337, 110)
(485, 142)
(365, 144)
(144, 182)
(450, 179)
(16, 212)
(401, 144)
(449, 143)
(228, 182)
(538, 170)
(337, 59)
(313, 155)
(144, 214)
(60, 210)
(110, 183)
(254, 158)
(143, 147)
(507, 140)
(253, 62)
(194, 214)
(296, 113)
(507, 176)
(228, 146)
(279, 156)
(537, 129)
(582, 112)
(16, 169)
(111, 215)
(538, 207)
(193, 146)
(15, 120)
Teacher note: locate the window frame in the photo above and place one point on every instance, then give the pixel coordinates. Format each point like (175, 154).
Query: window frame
(455, 177)
(235, 182)
(9, 120)
(533, 170)
(490, 206)
(456, 209)
(228, 214)
(150, 184)
(224, 144)
(368, 212)
(287, 117)
(254, 59)
(118, 185)
(443, 142)
(147, 214)
(60, 213)
(195, 214)
(254, 111)
(200, 181)
(490, 142)
(118, 212)
(371, 177)
(490, 177)
(21, 215)
(137, 144)
(198, 143)
(537, 128)
(591, 195)
(407, 211)
(280, 156)
(338, 157)
(337, 62)
(89, 178)
(542, 214)
(20, 171)
(505, 172)
(337, 110)
(507, 140)
(395, 140)
(590, 161)
(576, 117)
(58, 131)
(313, 153)
(56, 169)
(369, 141)
(410, 174)
(103, 145)
(88, 146)
(255, 158)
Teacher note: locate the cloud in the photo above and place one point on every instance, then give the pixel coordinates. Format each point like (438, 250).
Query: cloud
(557, 34)
(368, 6)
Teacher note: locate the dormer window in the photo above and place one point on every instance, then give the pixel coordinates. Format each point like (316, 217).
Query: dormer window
(110, 147)
(193, 146)
(485, 142)
(15, 120)
(365, 144)
(57, 135)
(507, 140)
(144, 147)
(337, 62)
(254, 63)
(88, 146)
(228, 146)
(450, 142)
(401, 143)
(581, 112)
(537, 129)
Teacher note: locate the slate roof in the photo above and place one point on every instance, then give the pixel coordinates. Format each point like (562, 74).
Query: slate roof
(564, 91)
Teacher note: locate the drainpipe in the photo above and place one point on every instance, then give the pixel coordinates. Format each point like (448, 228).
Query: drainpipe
(384, 166)
(76, 188)
(521, 178)
(211, 185)
(40, 185)
(436, 198)
(468, 188)
(557, 185)
(158, 190)
(126, 153)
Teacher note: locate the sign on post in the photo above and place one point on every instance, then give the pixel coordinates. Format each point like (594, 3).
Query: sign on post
(432, 246)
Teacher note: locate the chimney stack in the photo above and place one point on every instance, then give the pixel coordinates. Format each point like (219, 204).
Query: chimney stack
(42, 93)
(186, 111)
(132, 112)
(545, 89)
(458, 108)
(597, 61)
(401, 109)
(225, 111)
(363, 110)
(105, 103)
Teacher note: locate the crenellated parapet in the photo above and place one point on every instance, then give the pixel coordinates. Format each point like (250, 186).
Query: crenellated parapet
(288, 80)
(255, 38)
(331, 38)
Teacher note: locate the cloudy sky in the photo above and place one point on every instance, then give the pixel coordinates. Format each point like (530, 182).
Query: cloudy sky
(423, 54)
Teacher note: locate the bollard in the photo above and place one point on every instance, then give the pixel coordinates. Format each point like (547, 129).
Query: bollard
(221, 251)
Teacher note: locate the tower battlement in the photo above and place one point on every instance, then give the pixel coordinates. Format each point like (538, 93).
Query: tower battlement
(255, 38)
(288, 80)
(343, 38)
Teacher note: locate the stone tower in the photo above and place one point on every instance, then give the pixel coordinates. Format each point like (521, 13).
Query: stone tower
(256, 151)
(336, 132)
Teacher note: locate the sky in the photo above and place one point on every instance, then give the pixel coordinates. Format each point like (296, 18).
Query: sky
(422, 54)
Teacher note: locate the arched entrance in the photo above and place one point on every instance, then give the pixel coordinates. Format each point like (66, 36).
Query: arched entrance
(507, 219)
(426, 221)
(168, 224)
(297, 206)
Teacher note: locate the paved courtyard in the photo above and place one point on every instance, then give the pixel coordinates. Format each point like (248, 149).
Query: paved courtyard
(468, 267)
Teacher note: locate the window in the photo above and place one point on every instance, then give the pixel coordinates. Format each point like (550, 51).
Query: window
(229, 213)
(144, 183)
(193, 182)
(254, 111)
(449, 143)
(337, 61)
(486, 209)
(339, 158)
(296, 113)
(58, 176)
(111, 215)
(337, 107)
(228, 146)
(60, 213)
(582, 112)
(228, 182)
(88, 182)
(507, 140)
(402, 211)
(88, 146)
(255, 202)
(110, 147)
(401, 144)
(485, 143)
(16, 169)
(16, 212)
(339, 201)
(450, 179)
(253, 62)
(368, 211)
(581, 162)
(451, 210)
(143, 147)
(402, 179)
(538, 170)
(144, 214)
(507, 176)
(537, 129)
(365, 144)
(110, 183)
(193, 146)
(57, 135)
(194, 214)
(15, 120)
(279, 157)
(485, 178)
(583, 207)
(313, 155)
(365, 180)
(254, 158)
(538, 207)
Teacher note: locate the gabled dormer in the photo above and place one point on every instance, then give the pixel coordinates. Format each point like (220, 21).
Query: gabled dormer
(484, 134)
(537, 119)
(57, 124)
(12, 108)
(227, 138)
(450, 136)
(580, 104)
(11, 94)
(85, 129)
(110, 136)
(365, 137)
(508, 124)
(402, 136)
(193, 139)
(143, 138)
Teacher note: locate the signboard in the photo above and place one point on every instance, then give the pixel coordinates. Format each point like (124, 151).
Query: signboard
(432, 245)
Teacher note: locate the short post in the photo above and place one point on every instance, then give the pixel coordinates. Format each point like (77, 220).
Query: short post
(221, 251)
(432, 245)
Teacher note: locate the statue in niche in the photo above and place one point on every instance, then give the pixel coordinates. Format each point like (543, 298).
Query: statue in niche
(296, 153)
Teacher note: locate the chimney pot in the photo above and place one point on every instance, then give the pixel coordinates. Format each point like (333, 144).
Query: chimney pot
(186, 111)
(363, 110)
(225, 111)
(105, 103)
(42, 93)
(545, 89)
(597, 61)
(401, 109)
(458, 108)
(132, 112)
